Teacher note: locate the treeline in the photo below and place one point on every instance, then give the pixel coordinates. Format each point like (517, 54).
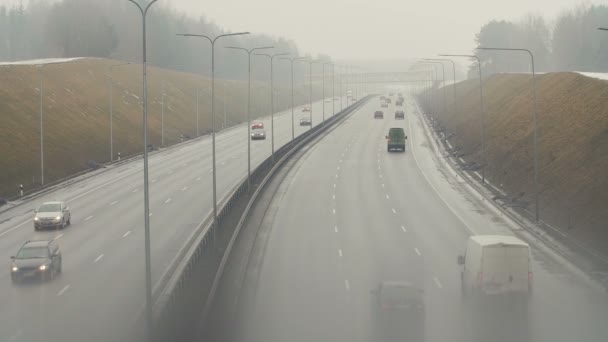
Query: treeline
(571, 42)
(112, 29)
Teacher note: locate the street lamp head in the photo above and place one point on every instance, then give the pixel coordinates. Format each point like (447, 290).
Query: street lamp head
(602, 28)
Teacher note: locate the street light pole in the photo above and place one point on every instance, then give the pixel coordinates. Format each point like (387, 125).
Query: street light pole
(292, 101)
(483, 117)
(111, 108)
(536, 185)
(322, 62)
(271, 57)
(41, 128)
(454, 107)
(212, 42)
(249, 52)
(144, 12)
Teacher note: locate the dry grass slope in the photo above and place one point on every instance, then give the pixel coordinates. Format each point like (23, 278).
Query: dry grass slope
(573, 144)
(76, 114)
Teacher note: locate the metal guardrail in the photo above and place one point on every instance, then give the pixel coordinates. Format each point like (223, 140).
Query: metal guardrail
(552, 237)
(191, 287)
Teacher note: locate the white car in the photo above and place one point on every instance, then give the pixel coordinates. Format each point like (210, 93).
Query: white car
(55, 214)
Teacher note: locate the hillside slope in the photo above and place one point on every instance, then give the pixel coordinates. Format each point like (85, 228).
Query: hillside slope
(76, 114)
(573, 144)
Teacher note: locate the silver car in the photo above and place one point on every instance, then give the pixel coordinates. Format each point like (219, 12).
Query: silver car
(55, 214)
(258, 133)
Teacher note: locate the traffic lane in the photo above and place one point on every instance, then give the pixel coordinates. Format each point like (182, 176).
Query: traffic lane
(18, 215)
(445, 240)
(95, 304)
(300, 270)
(371, 230)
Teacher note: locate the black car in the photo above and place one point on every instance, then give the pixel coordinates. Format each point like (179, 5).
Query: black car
(36, 260)
(305, 122)
(399, 115)
(379, 114)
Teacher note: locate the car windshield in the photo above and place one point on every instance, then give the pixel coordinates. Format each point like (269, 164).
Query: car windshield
(50, 208)
(32, 252)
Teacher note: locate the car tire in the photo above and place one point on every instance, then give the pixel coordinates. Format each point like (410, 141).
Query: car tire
(36, 228)
(14, 279)
(70, 221)
(62, 226)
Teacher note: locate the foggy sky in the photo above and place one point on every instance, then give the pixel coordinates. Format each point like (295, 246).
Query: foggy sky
(363, 29)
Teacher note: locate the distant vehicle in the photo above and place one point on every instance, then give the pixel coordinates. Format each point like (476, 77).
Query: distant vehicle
(258, 133)
(395, 140)
(378, 114)
(55, 214)
(388, 100)
(306, 109)
(305, 122)
(257, 124)
(384, 105)
(399, 115)
(36, 259)
(496, 265)
(399, 312)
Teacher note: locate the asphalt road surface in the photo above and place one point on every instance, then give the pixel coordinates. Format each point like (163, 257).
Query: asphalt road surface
(349, 215)
(100, 294)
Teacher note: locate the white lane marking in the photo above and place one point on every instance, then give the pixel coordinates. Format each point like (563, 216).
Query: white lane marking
(333, 211)
(336, 229)
(149, 214)
(387, 197)
(63, 290)
(437, 282)
(134, 190)
(334, 185)
(347, 284)
(185, 188)
(378, 161)
(336, 175)
(338, 168)
(88, 218)
(59, 236)
(154, 180)
(383, 185)
(429, 181)
(333, 196)
(380, 176)
(394, 211)
(168, 200)
(98, 258)
(339, 252)
(126, 234)
(113, 202)
(378, 167)
(417, 251)
(340, 160)
(342, 154)
(403, 228)
(199, 178)
(15, 227)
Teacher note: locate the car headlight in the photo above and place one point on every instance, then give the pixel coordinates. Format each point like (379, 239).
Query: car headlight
(42, 268)
(57, 218)
(36, 218)
(14, 268)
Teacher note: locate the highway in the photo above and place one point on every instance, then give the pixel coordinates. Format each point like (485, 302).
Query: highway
(349, 215)
(100, 294)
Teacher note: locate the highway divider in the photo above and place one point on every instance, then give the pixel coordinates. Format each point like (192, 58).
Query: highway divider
(186, 293)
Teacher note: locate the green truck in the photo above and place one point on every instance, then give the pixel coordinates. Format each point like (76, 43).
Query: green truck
(395, 140)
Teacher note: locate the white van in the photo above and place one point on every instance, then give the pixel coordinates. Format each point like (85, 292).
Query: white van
(496, 264)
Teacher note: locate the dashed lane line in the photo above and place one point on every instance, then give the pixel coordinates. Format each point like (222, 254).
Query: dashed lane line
(403, 229)
(437, 282)
(63, 290)
(126, 234)
(88, 218)
(98, 258)
(417, 251)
